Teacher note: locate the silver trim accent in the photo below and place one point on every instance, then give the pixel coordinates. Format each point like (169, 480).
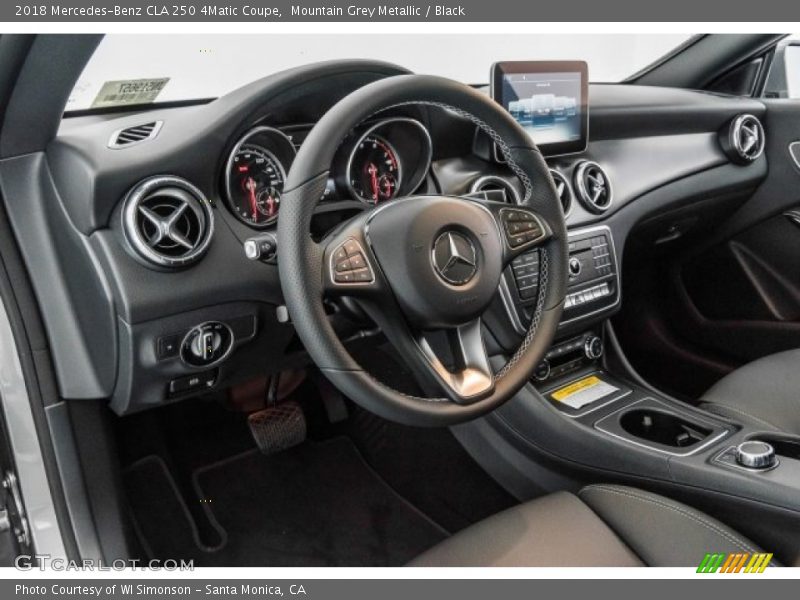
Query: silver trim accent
(795, 157)
(589, 199)
(558, 176)
(754, 459)
(332, 267)
(617, 273)
(587, 348)
(475, 187)
(477, 376)
(115, 145)
(24, 442)
(199, 328)
(506, 295)
(750, 125)
(504, 234)
(454, 255)
(261, 129)
(132, 206)
(370, 130)
(735, 465)
(793, 216)
(23, 534)
(721, 435)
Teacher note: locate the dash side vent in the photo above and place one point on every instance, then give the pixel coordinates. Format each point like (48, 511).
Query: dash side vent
(593, 187)
(124, 138)
(167, 222)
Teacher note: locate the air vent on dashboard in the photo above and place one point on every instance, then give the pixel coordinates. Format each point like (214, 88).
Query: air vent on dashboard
(563, 190)
(167, 221)
(122, 138)
(743, 139)
(593, 186)
(492, 183)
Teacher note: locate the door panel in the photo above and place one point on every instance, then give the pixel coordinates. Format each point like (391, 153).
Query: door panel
(741, 293)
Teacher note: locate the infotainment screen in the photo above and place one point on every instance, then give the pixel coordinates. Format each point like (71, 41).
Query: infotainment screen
(549, 99)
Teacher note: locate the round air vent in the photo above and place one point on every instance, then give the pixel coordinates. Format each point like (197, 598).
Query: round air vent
(167, 221)
(563, 190)
(744, 139)
(495, 185)
(593, 187)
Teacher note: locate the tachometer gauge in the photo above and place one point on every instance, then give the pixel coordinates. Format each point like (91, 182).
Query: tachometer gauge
(374, 170)
(255, 174)
(255, 183)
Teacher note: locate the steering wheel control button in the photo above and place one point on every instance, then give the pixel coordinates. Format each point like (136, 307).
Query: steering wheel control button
(525, 268)
(455, 258)
(521, 227)
(755, 454)
(350, 264)
(206, 344)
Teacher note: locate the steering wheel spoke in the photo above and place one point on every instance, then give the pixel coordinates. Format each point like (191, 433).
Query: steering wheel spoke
(469, 376)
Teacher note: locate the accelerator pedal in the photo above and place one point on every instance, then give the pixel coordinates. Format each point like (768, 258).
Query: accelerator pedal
(278, 427)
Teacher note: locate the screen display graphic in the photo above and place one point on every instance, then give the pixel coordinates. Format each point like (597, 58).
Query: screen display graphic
(548, 99)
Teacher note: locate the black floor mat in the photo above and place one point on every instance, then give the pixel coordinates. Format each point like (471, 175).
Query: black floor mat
(318, 504)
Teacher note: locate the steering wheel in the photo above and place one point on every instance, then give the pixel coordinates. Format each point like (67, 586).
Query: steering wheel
(422, 264)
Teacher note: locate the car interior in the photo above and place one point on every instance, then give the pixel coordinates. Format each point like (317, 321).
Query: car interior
(351, 315)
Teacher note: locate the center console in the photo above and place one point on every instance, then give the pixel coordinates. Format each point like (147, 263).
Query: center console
(589, 409)
(593, 288)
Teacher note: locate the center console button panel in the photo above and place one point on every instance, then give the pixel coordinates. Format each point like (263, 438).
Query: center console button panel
(592, 287)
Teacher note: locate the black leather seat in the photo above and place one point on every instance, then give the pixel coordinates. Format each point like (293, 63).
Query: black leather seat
(603, 526)
(764, 393)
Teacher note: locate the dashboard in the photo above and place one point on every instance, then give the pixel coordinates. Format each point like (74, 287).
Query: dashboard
(166, 222)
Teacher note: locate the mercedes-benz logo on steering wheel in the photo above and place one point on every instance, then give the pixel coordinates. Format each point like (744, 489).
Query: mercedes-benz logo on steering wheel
(454, 258)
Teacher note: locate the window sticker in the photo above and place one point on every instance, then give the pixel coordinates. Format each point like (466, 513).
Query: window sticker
(129, 91)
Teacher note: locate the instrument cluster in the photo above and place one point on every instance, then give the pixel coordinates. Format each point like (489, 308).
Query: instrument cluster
(378, 162)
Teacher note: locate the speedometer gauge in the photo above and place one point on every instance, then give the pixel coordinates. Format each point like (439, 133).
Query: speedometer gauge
(255, 174)
(374, 170)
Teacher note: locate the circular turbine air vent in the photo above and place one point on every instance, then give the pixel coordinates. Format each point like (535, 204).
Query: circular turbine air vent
(495, 185)
(167, 221)
(563, 190)
(744, 139)
(593, 187)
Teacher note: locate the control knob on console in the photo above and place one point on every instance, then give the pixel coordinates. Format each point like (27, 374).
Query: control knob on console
(754, 454)
(542, 370)
(593, 347)
(206, 344)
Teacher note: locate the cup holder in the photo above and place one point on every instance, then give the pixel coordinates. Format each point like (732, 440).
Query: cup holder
(663, 428)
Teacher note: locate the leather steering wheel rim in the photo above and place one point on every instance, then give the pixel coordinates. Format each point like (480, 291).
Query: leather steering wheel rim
(302, 262)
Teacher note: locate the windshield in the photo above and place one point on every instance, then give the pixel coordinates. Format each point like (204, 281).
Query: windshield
(135, 69)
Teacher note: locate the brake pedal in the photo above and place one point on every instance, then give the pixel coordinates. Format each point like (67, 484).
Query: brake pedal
(278, 427)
